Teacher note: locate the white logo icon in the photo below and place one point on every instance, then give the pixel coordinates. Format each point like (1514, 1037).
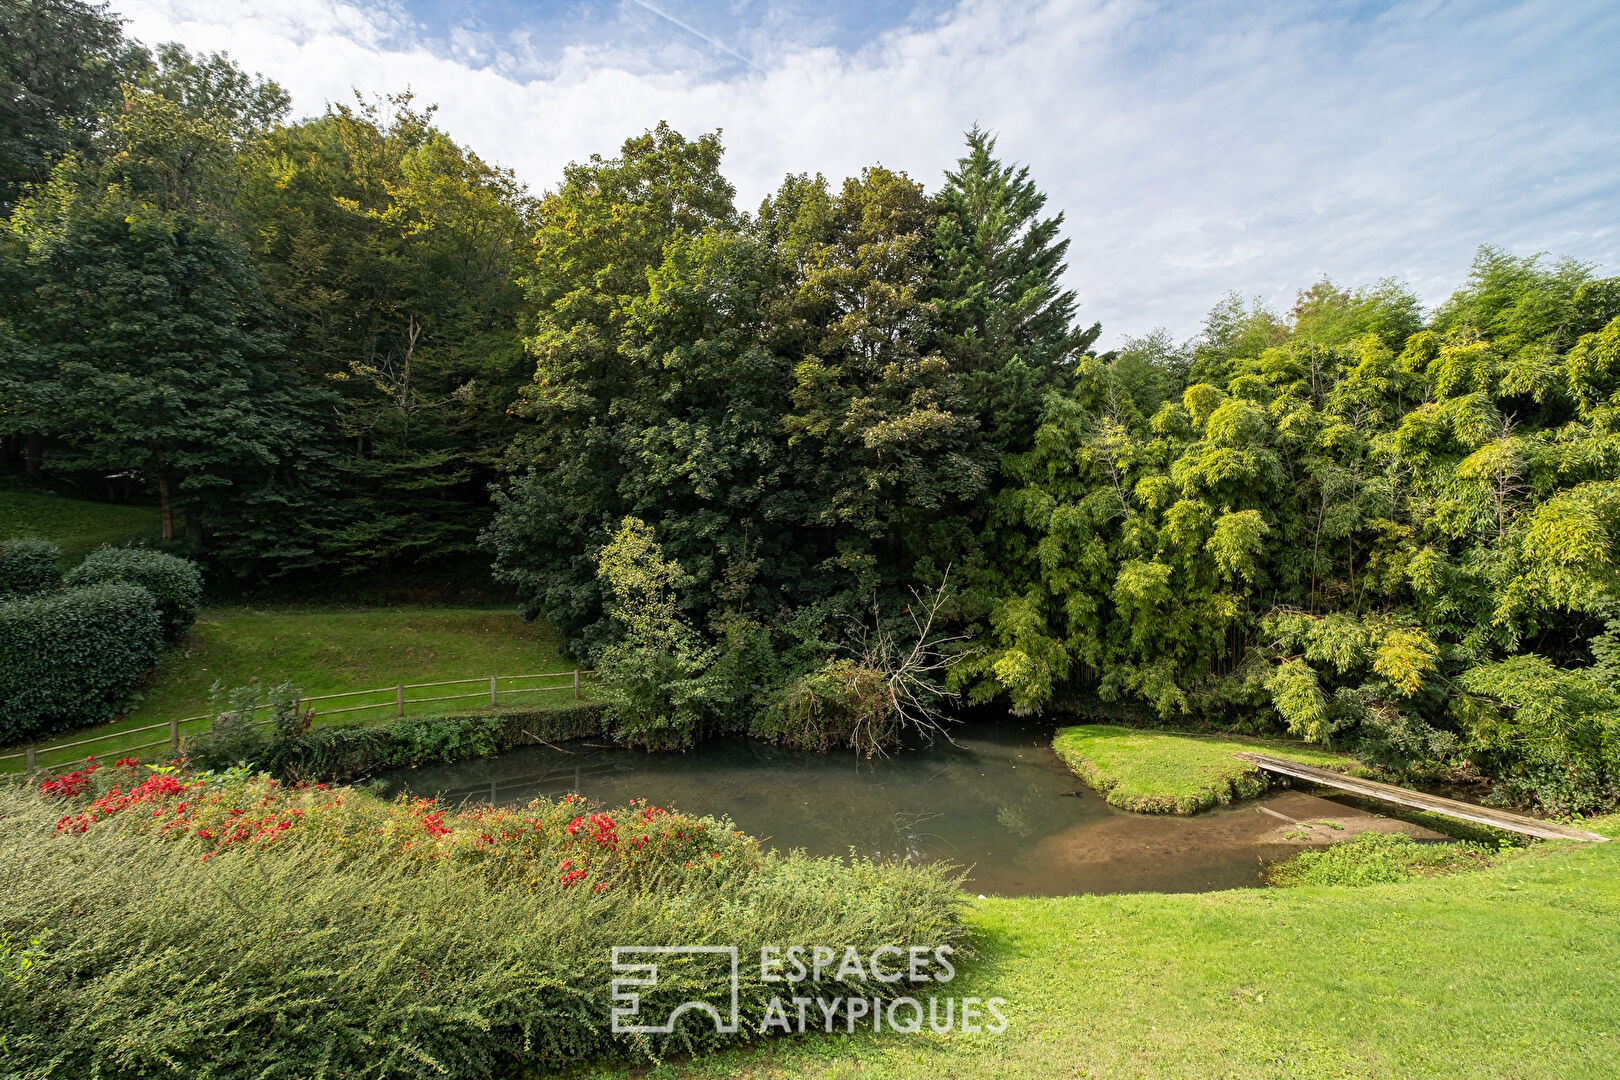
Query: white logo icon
(646, 974)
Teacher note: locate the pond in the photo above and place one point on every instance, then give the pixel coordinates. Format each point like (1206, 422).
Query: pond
(998, 802)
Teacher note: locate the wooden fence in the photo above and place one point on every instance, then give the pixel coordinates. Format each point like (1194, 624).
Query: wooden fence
(490, 690)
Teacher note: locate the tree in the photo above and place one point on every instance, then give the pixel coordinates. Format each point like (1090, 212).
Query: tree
(597, 345)
(61, 62)
(144, 313)
(886, 449)
(211, 86)
(393, 254)
(1007, 323)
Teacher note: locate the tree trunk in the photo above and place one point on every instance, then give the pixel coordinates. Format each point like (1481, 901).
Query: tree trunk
(165, 505)
(34, 456)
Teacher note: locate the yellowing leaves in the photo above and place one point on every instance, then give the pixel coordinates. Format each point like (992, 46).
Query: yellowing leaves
(1404, 658)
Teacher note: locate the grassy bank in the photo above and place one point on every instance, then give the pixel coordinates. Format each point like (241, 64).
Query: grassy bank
(1506, 972)
(325, 652)
(1155, 772)
(76, 526)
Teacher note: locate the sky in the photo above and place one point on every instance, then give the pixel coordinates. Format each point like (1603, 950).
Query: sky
(1194, 148)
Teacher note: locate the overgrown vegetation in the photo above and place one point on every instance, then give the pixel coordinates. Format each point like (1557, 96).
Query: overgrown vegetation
(223, 925)
(1155, 772)
(1376, 530)
(287, 746)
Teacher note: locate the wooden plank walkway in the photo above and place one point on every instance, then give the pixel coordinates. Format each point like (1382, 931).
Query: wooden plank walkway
(1498, 819)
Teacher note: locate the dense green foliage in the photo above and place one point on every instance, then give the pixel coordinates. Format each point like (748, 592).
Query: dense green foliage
(391, 252)
(73, 647)
(224, 926)
(60, 63)
(1373, 531)
(307, 329)
(175, 583)
(803, 405)
(734, 454)
(28, 567)
(71, 657)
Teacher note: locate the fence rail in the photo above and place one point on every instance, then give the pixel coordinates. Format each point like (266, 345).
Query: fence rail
(490, 690)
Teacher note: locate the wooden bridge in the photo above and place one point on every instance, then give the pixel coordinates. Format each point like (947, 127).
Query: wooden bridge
(1483, 815)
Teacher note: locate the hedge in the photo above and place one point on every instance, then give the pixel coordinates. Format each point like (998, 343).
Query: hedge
(69, 658)
(28, 567)
(337, 754)
(175, 583)
(286, 931)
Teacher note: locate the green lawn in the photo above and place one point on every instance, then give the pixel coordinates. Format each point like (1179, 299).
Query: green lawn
(1507, 972)
(1159, 773)
(325, 652)
(77, 526)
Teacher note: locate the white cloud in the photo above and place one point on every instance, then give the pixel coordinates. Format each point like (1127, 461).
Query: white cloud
(1193, 152)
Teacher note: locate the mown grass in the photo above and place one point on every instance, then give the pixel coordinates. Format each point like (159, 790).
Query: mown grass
(1507, 972)
(77, 526)
(326, 652)
(1155, 772)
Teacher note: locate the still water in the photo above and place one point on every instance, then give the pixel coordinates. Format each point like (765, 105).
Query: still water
(998, 802)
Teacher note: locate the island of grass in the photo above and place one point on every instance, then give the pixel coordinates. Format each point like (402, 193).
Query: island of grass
(1156, 772)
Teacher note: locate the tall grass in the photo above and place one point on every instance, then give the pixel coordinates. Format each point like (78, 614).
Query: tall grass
(375, 939)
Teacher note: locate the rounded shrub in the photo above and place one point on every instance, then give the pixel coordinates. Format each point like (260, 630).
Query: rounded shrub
(175, 583)
(70, 657)
(28, 567)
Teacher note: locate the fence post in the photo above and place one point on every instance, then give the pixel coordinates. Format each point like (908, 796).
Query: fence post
(576, 684)
(492, 689)
(28, 757)
(399, 697)
(174, 734)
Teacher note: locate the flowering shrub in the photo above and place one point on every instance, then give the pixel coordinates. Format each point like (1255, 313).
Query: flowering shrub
(637, 844)
(299, 930)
